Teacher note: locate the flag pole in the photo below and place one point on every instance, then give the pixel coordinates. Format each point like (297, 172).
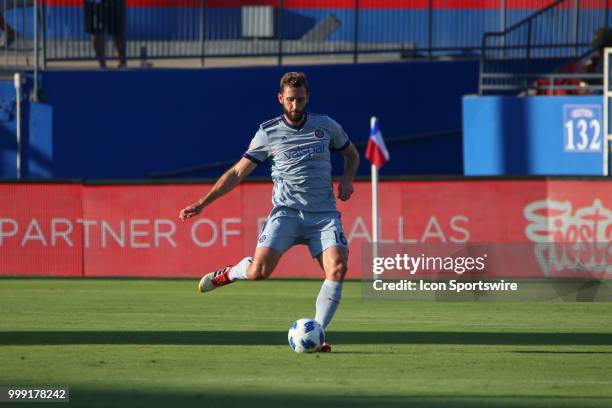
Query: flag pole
(374, 214)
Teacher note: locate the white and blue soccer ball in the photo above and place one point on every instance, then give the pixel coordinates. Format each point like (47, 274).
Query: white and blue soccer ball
(306, 336)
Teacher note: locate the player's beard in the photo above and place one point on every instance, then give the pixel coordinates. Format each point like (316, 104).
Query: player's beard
(296, 116)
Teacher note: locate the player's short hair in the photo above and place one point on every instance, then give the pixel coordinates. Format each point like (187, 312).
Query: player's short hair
(293, 80)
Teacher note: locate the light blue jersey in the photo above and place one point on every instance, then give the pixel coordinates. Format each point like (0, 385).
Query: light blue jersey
(300, 160)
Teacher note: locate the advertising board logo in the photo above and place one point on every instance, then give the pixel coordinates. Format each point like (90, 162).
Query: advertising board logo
(568, 238)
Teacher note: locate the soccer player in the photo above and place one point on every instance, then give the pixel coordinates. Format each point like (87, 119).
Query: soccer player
(298, 145)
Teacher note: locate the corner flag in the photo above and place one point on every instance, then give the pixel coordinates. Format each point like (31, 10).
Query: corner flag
(377, 154)
(376, 151)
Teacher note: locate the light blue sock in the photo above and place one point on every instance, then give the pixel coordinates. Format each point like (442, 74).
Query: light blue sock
(327, 301)
(240, 270)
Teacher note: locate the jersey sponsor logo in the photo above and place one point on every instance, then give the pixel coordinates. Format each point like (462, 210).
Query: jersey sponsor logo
(319, 133)
(304, 151)
(262, 238)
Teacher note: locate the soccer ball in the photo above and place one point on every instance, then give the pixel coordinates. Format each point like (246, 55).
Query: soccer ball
(306, 336)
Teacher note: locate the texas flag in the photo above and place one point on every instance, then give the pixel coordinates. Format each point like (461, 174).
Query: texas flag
(376, 152)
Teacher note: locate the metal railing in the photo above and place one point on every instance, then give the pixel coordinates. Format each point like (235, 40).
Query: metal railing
(195, 29)
(203, 29)
(538, 45)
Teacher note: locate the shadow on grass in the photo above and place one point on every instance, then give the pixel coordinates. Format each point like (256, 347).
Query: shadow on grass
(135, 398)
(559, 352)
(277, 338)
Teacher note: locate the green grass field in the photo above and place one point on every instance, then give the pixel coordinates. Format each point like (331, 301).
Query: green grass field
(152, 343)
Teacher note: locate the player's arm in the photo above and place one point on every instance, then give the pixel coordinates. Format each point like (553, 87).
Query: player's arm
(351, 163)
(224, 184)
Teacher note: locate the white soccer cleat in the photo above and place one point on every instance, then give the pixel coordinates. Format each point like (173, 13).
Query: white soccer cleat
(215, 279)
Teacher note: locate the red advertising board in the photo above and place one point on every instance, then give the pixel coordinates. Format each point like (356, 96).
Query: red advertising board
(134, 230)
(40, 230)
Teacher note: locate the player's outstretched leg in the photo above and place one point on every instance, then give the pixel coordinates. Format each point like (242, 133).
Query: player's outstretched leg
(264, 263)
(334, 263)
(257, 268)
(213, 280)
(224, 276)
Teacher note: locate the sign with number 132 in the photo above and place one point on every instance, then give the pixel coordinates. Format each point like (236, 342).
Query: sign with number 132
(582, 128)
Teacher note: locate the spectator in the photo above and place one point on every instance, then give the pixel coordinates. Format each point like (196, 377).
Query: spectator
(595, 61)
(9, 32)
(592, 63)
(106, 16)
